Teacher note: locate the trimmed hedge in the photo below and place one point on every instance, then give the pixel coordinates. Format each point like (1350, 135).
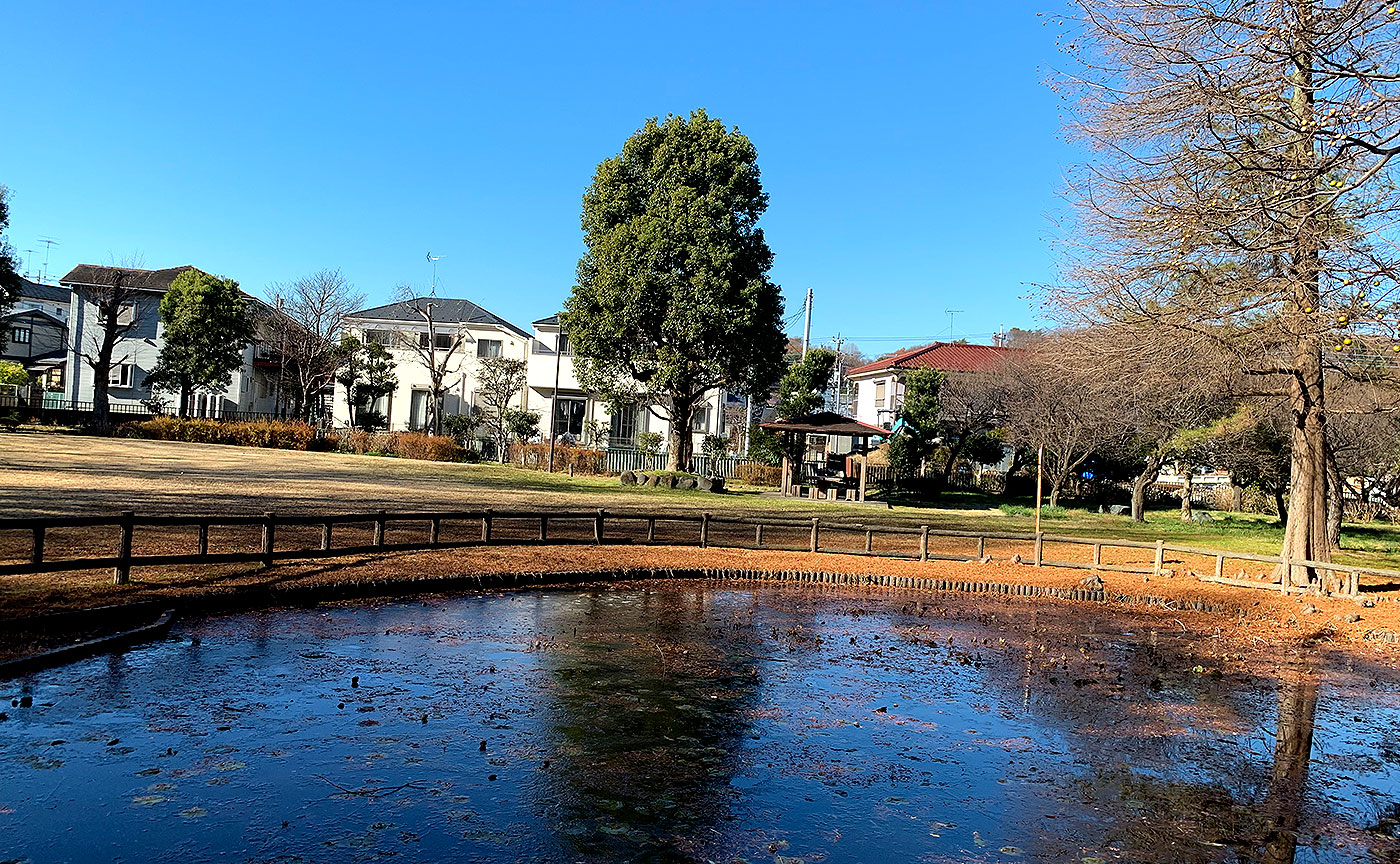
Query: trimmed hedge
(276, 434)
(581, 459)
(759, 475)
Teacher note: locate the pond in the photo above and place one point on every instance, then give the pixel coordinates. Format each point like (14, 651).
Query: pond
(678, 722)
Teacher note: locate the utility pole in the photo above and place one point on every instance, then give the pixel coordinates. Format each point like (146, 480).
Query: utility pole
(838, 340)
(554, 399)
(807, 325)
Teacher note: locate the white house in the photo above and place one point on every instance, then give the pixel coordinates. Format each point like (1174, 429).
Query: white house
(573, 410)
(252, 387)
(551, 385)
(879, 393)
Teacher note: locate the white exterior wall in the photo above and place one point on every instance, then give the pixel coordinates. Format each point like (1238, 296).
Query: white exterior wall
(867, 410)
(540, 381)
(462, 376)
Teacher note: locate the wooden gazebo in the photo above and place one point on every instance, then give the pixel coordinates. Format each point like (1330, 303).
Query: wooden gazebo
(828, 486)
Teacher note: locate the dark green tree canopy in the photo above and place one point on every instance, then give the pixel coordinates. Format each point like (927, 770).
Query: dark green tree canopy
(802, 388)
(673, 295)
(207, 326)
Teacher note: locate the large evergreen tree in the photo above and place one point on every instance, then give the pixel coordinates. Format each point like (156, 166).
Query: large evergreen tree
(207, 326)
(9, 265)
(673, 295)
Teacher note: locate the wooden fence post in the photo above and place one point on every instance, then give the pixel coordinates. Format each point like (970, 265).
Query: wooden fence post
(434, 531)
(816, 529)
(269, 537)
(486, 526)
(704, 530)
(1285, 572)
(1354, 589)
(1157, 560)
(122, 574)
(1219, 566)
(869, 540)
(202, 544)
(651, 529)
(544, 528)
(981, 548)
(1098, 554)
(923, 542)
(598, 527)
(758, 535)
(1039, 547)
(379, 529)
(326, 536)
(36, 554)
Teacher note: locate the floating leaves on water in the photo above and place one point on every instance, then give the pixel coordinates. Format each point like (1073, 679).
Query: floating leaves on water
(148, 800)
(1009, 850)
(194, 812)
(231, 766)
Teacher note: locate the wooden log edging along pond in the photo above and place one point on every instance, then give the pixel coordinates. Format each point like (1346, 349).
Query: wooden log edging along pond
(264, 596)
(601, 527)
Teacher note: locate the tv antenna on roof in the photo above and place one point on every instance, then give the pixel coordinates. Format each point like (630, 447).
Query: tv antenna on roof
(432, 289)
(49, 243)
(951, 313)
(29, 263)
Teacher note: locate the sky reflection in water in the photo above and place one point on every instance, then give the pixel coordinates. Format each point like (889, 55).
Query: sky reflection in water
(689, 724)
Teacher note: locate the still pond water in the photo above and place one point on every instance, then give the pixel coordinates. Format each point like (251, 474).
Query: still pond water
(684, 723)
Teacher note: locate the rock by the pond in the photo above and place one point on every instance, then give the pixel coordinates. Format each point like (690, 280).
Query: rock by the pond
(1202, 517)
(1309, 609)
(1092, 581)
(1352, 618)
(716, 484)
(665, 481)
(685, 482)
(1119, 509)
(643, 479)
(628, 478)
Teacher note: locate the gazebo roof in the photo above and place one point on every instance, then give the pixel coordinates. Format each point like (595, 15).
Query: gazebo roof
(826, 423)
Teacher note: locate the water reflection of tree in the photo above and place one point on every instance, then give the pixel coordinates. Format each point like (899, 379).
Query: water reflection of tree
(651, 691)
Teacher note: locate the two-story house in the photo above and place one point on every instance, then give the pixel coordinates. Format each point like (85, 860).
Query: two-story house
(555, 392)
(37, 332)
(879, 388)
(464, 335)
(252, 387)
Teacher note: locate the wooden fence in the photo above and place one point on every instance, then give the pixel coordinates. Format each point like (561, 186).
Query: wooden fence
(425, 531)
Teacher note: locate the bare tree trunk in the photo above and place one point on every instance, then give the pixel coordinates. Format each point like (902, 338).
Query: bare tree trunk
(1305, 532)
(1017, 462)
(1281, 505)
(1334, 502)
(1140, 484)
(1055, 483)
(682, 443)
(1188, 486)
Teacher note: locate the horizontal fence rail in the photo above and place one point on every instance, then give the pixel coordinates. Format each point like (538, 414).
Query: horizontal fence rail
(424, 530)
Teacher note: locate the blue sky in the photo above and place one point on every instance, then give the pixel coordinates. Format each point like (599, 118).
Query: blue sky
(912, 152)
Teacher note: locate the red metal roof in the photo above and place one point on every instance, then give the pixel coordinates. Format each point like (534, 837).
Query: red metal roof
(943, 356)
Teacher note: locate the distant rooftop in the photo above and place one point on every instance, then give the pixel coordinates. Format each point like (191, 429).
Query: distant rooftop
(39, 291)
(943, 356)
(446, 310)
(133, 277)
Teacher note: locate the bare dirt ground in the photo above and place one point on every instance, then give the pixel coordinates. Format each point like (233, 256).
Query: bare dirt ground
(53, 474)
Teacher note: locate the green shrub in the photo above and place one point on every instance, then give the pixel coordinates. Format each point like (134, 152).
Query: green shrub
(649, 443)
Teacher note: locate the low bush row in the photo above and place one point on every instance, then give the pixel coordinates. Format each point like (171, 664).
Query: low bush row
(579, 460)
(277, 434)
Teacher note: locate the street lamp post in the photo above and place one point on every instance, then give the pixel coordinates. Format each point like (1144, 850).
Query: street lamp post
(554, 399)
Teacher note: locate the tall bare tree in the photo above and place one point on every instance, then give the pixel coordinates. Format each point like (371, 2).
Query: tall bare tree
(1241, 177)
(114, 291)
(434, 351)
(305, 328)
(499, 380)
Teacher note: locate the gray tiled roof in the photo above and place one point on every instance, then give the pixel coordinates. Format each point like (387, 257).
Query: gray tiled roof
(96, 274)
(551, 321)
(446, 310)
(39, 291)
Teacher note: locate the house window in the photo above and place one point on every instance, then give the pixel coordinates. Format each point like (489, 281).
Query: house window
(623, 427)
(568, 416)
(380, 337)
(20, 335)
(441, 341)
(119, 375)
(565, 348)
(53, 380)
(488, 348)
(879, 394)
(126, 313)
(816, 442)
(700, 420)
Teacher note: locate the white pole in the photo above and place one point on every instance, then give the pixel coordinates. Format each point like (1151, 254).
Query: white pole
(1039, 473)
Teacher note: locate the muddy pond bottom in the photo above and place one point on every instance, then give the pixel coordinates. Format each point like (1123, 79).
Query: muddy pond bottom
(698, 723)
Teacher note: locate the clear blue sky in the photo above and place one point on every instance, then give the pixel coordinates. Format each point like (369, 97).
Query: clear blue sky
(911, 151)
